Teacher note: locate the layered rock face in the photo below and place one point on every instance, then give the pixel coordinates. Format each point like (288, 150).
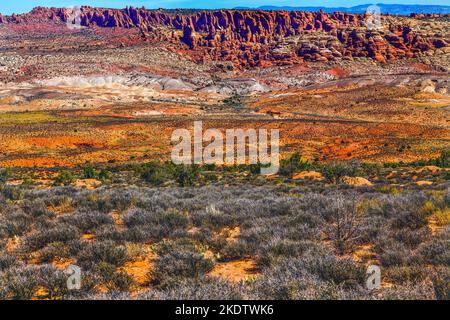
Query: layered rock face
(257, 38)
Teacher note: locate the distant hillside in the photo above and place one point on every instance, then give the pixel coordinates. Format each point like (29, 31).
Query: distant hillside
(399, 9)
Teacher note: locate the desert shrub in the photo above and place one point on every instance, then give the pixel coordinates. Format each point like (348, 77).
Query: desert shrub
(89, 172)
(59, 200)
(170, 219)
(107, 296)
(406, 274)
(5, 173)
(441, 283)
(27, 180)
(395, 255)
(288, 285)
(281, 227)
(260, 232)
(107, 201)
(443, 160)
(109, 232)
(104, 175)
(15, 223)
(343, 271)
(75, 246)
(208, 239)
(371, 228)
(234, 251)
(180, 263)
(155, 173)
(142, 234)
(197, 289)
(36, 208)
(436, 252)
(19, 283)
(334, 171)
(6, 261)
(399, 205)
(13, 193)
(214, 220)
(412, 219)
(113, 280)
(442, 216)
(412, 238)
(102, 252)
(89, 284)
(278, 249)
(54, 250)
(86, 221)
(22, 282)
(121, 200)
(344, 222)
(447, 198)
(295, 163)
(119, 282)
(370, 169)
(53, 281)
(428, 208)
(211, 177)
(310, 277)
(186, 175)
(145, 225)
(410, 291)
(60, 233)
(64, 178)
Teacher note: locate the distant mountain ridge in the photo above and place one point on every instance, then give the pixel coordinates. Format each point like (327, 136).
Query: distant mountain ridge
(396, 9)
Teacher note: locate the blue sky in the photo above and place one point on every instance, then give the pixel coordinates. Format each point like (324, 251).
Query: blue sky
(19, 6)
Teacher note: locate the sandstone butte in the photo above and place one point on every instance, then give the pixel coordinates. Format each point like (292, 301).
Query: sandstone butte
(249, 38)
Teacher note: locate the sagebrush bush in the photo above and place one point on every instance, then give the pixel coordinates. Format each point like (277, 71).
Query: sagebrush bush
(311, 277)
(395, 255)
(180, 264)
(6, 261)
(23, 282)
(54, 251)
(436, 252)
(197, 289)
(170, 219)
(60, 233)
(406, 274)
(15, 223)
(234, 251)
(412, 238)
(86, 221)
(20, 283)
(410, 291)
(414, 220)
(441, 283)
(37, 208)
(102, 251)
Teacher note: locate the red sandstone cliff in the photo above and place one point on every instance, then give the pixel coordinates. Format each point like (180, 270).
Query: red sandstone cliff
(255, 38)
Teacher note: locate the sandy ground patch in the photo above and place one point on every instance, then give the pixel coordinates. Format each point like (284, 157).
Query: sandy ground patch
(236, 271)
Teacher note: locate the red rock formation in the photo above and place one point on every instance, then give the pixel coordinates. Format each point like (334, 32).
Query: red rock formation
(253, 38)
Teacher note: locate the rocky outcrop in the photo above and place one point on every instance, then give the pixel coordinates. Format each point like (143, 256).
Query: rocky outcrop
(356, 181)
(256, 38)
